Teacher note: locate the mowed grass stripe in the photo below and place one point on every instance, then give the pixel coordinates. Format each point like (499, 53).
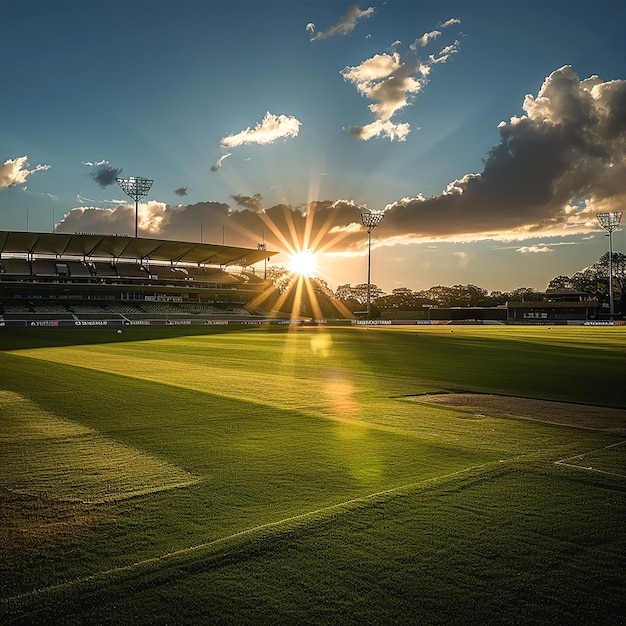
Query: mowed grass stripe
(51, 457)
(315, 363)
(268, 461)
(184, 556)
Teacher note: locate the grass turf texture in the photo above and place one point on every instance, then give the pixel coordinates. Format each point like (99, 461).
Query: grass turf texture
(326, 494)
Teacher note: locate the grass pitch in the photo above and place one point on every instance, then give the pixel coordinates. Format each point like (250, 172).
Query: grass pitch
(267, 476)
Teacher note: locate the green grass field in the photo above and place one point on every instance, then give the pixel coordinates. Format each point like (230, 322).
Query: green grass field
(274, 476)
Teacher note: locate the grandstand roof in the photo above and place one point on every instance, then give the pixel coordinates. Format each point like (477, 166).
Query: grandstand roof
(126, 247)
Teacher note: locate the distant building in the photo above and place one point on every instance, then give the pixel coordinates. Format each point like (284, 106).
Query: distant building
(557, 305)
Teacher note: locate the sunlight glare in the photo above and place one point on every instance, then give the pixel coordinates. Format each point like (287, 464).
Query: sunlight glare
(303, 263)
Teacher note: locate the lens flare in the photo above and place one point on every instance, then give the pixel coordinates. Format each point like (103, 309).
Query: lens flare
(303, 263)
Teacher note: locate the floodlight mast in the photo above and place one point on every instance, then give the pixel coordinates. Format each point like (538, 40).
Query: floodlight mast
(370, 219)
(610, 222)
(263, 246)
(135, 187)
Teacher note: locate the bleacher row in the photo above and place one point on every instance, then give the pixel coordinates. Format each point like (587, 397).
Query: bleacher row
(16, 268)
(129, 310)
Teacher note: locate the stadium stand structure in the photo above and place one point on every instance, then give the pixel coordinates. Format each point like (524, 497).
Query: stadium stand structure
(59, 278)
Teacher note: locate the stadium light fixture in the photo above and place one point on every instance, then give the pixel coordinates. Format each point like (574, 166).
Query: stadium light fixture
(370, 219)
(135, 187)
(610, 222)
(263, 246)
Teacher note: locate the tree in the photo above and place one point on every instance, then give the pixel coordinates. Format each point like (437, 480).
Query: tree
(560, 282)
(594, 280)
(525, 294)
(457, 295)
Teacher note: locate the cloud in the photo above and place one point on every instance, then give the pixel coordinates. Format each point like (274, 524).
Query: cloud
(425, 38)
(16, 171)
(95, 163)
(380, 129)
(271, 128)
(554, 168)
(534, 248)
(463, 258)
(216, 166)
(392, 81)
(345, 25)
(252, 203)
(105, 175)
(181, 191)
(242, 224)
(156, 219)
(450, 22)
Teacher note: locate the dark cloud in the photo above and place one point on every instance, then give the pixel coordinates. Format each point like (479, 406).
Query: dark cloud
(181, 191)
(280, 226)
(252, 203)
(555, 166)
(105, 175)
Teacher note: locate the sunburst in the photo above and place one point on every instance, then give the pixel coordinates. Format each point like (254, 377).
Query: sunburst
(303, 263)
(303, 249)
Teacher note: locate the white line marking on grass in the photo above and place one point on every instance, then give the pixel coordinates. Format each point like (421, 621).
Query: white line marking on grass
(242, 533)
(580, 457)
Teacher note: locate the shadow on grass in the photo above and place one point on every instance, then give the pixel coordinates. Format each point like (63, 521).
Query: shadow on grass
(46, 337)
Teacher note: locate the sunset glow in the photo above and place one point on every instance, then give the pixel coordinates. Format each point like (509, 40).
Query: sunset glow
(303, 263)
(489, 172)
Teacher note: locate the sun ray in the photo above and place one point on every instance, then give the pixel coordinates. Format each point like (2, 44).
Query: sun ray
(303, 263)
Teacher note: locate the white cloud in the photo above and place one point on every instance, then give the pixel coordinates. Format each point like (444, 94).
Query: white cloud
(346, 24)
(371, 70)
(15, 171)
(425, 38)
(381, 128)
(540, 247)
(95, 163)
(216, 166)
(391, 81)
(444, 54)
(271, 128)
(451, 22)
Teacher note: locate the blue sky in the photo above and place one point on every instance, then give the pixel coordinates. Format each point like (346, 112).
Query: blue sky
(281, 120)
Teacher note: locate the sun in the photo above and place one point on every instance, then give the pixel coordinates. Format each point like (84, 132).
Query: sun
(303, 263)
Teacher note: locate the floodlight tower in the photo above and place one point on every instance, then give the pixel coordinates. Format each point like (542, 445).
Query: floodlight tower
(136, 187)
(610, 222)
(370, 219)
(263, 246)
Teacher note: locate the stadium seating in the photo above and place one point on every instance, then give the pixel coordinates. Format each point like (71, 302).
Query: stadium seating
(46, 277)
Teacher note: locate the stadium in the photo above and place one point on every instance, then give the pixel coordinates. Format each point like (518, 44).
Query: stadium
(52, 279)
(174, 450)
(89, 279)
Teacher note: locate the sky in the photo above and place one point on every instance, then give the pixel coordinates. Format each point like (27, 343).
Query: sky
(490, 132)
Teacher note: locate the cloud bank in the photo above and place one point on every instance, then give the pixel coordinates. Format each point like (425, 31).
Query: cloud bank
(555, 167)
(16, 171)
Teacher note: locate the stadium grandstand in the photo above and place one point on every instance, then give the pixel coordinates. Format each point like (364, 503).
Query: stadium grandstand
(91, 279)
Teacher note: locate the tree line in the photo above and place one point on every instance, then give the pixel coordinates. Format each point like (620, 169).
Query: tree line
(592, 280)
